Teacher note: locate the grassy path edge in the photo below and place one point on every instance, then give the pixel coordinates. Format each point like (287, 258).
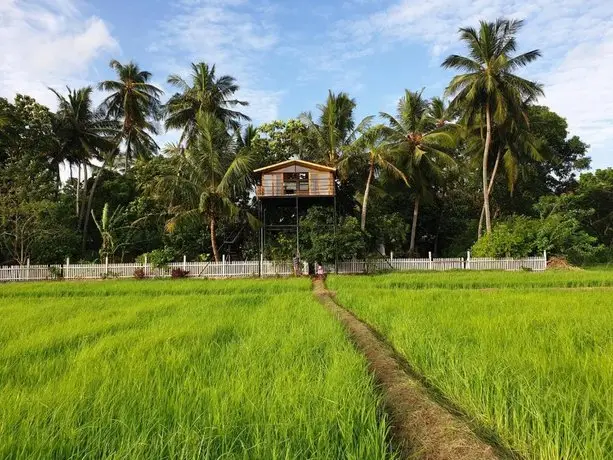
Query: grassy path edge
(421, 428)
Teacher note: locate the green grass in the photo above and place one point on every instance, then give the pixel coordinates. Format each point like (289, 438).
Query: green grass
(534, 366)
(153, 287)
(180, 369)
(463, 279)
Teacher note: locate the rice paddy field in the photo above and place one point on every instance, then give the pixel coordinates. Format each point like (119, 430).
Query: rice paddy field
(242, 369)
(527, 357)
(239, 369)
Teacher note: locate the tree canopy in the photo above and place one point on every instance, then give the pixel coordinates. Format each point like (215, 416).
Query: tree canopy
(482, 166)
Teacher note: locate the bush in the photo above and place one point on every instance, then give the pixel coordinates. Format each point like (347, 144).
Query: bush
(282, 248)
(317, 239)
(139, 273)
(158, 258)
(515, 237)
(179, 273)
(559, 234)
(56, 273)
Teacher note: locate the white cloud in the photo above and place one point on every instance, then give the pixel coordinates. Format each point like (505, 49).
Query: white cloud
(580, 89)
(230, 34)
(47, 43)
(575, 37)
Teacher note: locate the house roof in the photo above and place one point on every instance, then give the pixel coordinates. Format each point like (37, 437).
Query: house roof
(306, 164)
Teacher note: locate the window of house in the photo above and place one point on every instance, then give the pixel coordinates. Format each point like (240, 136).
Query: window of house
(295, 182)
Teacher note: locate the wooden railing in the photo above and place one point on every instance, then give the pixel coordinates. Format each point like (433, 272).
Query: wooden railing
(276, 191)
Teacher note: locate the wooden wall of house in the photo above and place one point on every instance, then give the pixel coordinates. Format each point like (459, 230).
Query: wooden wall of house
(321, 183)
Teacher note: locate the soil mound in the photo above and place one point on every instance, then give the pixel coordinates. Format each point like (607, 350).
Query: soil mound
(560, 263)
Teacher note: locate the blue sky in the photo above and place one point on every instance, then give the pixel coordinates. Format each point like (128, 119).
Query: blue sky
(287, 54)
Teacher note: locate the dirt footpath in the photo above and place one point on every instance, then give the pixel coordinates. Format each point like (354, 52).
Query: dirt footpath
(421, 428)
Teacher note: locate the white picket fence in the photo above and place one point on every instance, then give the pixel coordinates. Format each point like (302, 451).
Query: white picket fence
(508, 264)
(28, 272)
(253, 268)
(377, 265)
(196, 269)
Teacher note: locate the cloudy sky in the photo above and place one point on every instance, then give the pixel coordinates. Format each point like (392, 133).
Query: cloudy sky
(286, 54)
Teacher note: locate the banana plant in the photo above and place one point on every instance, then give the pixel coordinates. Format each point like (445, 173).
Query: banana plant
(107, 226)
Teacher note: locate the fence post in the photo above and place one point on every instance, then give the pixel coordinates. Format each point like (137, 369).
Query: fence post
(467, 260)
(430, 257)
(184, 262)
(106, 265)
(28, 269)
(223, 265)
(261, 265)
(545, 259)
(67, 266)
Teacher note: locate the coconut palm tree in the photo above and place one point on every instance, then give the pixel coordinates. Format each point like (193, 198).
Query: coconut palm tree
(205, 92)
(335, 128)
(372, 144)
(441, 112)
(244, 140)
(489, 90)
(135, 102)
(515, 146)
(424, 147)
(208, 176)
(83, 134)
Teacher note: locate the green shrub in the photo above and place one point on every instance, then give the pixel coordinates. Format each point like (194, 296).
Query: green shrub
(56, 273)
(318, 240)
(516, 237)
(158, 258)
(559, 234)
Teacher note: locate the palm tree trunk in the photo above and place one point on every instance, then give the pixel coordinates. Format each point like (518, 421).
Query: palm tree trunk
(89, 206)
(214, 240)
(58, 180)
(486, 151)
(489, 192)
(371, 172)
(77, 203)
(128, 147)
(84, 199)
(414, 225)
(85, 179)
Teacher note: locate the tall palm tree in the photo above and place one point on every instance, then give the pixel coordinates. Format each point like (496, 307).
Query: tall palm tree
(83, 133)
(490, 90)
(205, 92)
(335, 128)
(135, 102)
(208, 176)
(515, 145)
(372, 144)
(413, 135)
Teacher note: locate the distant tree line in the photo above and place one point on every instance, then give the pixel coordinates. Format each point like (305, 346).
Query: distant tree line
(483, 167)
